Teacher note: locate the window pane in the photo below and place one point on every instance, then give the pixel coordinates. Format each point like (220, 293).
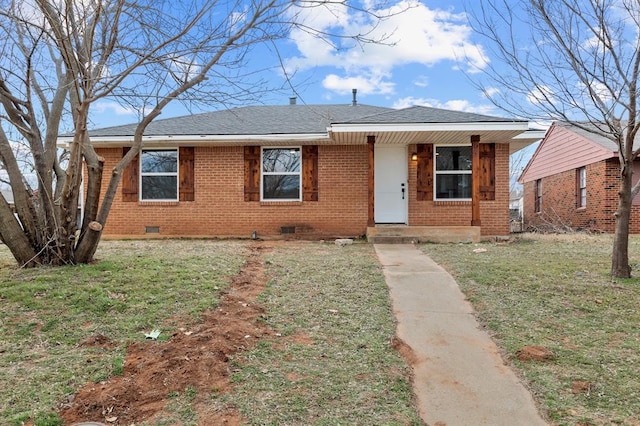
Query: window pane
(281, 160)
(159, 161)
(278, 187)
(453, 158)
(159, 187)
(453, 186)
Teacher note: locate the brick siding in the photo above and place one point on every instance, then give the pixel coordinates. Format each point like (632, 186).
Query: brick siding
(219, 209)
(559, 201)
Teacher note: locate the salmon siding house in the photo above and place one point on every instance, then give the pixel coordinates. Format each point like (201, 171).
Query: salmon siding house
(315, 171)
(572, 181)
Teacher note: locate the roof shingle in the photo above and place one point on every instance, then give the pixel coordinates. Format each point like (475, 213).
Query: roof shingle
(292, 119)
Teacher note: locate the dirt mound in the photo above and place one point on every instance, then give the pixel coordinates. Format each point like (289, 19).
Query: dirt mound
(197, 357)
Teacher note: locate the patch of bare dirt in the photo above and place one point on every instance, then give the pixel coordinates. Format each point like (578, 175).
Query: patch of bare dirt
(196, 357)
(534, 353)
(98, 341)
(405, 351)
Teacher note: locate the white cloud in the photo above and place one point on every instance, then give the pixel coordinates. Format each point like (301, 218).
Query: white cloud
(540, 95)
(183, 68)
(418, 36)
(454, 104)
(421, 81)
(374, 85)
(599, 89)
(113, 107)
(489, 92)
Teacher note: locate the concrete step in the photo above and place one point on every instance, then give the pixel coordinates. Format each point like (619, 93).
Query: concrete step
(392, 239)
(403, 234)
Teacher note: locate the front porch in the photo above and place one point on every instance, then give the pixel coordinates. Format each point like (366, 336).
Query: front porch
(400, 234)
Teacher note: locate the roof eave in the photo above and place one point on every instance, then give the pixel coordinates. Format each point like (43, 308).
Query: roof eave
(428, 127)
(102, 141)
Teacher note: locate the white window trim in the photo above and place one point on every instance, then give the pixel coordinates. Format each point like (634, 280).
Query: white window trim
(446, 172)
(582, 186)
(263, 174)
(176, 174)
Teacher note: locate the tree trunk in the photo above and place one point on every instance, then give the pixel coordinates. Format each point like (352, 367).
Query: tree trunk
(620, 259)
(87, 244)
(11, 231)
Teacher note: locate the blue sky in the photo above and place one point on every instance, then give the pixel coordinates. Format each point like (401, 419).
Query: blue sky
(435, 53)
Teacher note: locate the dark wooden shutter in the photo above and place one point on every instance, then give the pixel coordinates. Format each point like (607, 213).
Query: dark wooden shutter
(252, 173)
(130, 178)
(425, 172)
(187, 173)
(310, 173)
(487, 171)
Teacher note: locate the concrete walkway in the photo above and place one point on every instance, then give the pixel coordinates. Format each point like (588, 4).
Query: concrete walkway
(459, 375)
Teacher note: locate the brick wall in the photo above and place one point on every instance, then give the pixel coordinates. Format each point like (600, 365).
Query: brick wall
(494, 215)
(219, 208)
(559, 201)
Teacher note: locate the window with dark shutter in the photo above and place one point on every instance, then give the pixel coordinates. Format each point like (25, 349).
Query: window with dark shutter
(282, 173)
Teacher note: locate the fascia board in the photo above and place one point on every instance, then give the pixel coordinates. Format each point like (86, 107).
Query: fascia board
(126, 140)
(532, 135)
(428, 127)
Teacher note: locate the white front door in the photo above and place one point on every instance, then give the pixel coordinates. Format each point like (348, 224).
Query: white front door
(391, 191)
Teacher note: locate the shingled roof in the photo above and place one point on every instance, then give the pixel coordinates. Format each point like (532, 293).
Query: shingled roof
(293, 119)
(422, 114)
(251, 120)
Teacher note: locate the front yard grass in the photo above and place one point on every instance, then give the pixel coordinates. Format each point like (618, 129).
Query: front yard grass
(330, 360)
(333, 362)
(135, 287)
(555, 291)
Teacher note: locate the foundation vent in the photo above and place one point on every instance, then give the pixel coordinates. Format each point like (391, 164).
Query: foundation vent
(287, 229)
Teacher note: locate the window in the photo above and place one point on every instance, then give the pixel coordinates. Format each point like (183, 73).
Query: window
(453, 172)
(581, 187)
(159, 175)
(281, 174)
(538, 196)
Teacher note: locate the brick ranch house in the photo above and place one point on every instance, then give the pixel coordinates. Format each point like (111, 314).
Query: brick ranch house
(315, 171)
(571, 182)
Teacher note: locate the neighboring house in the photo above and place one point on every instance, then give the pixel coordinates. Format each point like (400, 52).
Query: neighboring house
(572, 181)
(516, 204)
(314, 171)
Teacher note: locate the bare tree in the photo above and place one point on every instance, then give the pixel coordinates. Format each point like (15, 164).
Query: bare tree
(58, 57)
(576, 61)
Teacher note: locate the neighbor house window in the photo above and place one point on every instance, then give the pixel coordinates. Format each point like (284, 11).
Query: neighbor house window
(538, 196)
(581, 187)
(281, 174)
(159, 175)
(452, 172)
